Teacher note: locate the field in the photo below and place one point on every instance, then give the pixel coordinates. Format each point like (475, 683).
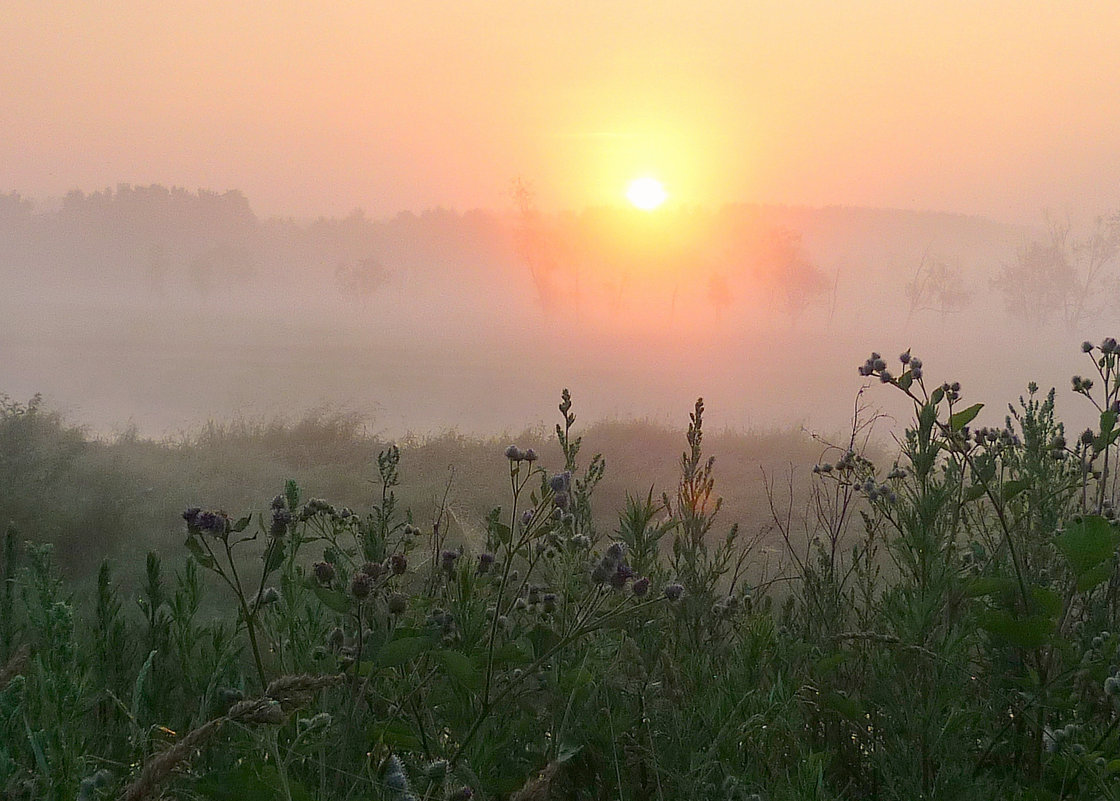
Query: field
(523, 618)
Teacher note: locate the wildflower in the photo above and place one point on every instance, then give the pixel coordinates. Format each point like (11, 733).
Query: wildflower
(1108, 345)
(396, 782)
(398, 603)
(485, 562)
(1112, 686)
(548, 602)
(268, 596)
(527, 517)
(614, 552)
(374, 570)
(621, 575)
(279, 503)
(447, 560)
(191, 516)
(1087, 437)
(464, 793)
(213, 524)
(674, 592)
(561, 482)
(1086, 347)
(904, 357)
(398, 564)
(885, 376)
(505, 624)
(915, 363)
(336, 638)
(916, 373)
(323, 572)
(281, 518)
(529, 455)
(640, 588)
(514, 454)
(361, 586)
(560, 500)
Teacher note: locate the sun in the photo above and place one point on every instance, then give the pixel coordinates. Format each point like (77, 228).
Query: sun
(646, 193)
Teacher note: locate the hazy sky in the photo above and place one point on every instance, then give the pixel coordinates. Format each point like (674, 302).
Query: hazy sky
(999, 108)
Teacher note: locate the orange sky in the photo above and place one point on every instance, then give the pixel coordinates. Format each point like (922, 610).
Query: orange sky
(998, 108)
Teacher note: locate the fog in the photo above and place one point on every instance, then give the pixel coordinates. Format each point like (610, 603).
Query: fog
(154, 310)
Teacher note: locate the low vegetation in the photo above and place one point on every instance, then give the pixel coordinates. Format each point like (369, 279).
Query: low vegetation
(936, 622)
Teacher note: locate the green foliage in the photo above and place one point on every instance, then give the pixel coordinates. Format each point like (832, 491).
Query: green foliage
(946, 627)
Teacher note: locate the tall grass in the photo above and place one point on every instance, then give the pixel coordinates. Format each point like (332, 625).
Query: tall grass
(936, 622)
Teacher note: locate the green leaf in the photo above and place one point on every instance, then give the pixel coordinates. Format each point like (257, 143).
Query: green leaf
(906, 380)
(459, 667)
(273, 555)
(964, 417)
(974, 492)
(241, 524)
(395, 734)
(138, 687)
(989, 585)
(332, 599)
(1030, 631)
(849, 707)
(404, 650)
(1094, 576)
(291, 494)
(199, 553)
(1015, 486)
(251, 781)
(1087, 543)
(937, 396)
(1107, 435)
(1049, 602)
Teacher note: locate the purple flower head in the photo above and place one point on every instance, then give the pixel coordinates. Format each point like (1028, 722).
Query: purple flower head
(560, 499)
(374, 570)
(323, 572)
(279, 503)
(561, 482)
(281, 518)
(485, 562)
(191, 516)
(514, 454)
(447, 561)
(212, 524)
(640, 588)
(529, 455)
(527, 517)
(621, 575)
(361, 586)
(674, 592)
(398, 564)
(614, 552)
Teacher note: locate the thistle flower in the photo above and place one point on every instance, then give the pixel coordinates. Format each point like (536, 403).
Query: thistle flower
(361, 586)
(337, 638)
(268, 596)
(674, 592)
(191, 516)
(561, 482)
(279, 503)
(529, 455)
(213, 524)
(464, 793)
(527, 517)
(485, 562)
(398, 603)
(398, 564)
(560, 500)
(621, 575)
(323, 572)
(514, 454)
(447, 560)
(640, 588)
(548, 602)
(614, 552)
(374, 570)
(281, 518)
(1086, 347)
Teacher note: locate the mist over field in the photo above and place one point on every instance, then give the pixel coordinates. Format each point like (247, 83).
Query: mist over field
(159, 309)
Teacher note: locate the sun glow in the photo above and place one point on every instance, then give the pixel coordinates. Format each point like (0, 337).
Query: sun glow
(646, 193)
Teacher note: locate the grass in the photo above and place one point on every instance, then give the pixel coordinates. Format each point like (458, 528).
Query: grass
(577, 615)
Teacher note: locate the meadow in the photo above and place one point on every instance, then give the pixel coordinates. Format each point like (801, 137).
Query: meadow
(525, 618)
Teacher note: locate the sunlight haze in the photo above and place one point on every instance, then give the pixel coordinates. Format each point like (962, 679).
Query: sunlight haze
(997, 108)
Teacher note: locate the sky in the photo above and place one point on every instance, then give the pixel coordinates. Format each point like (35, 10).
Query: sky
(996, 108)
